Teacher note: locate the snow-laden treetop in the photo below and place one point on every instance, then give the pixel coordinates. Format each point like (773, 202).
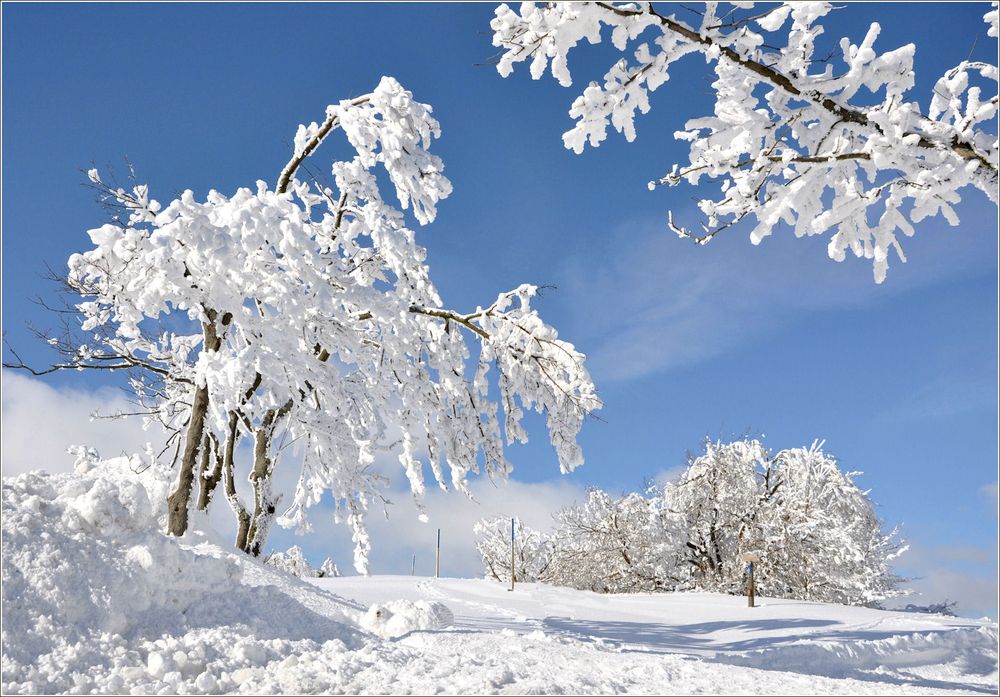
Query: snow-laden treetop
(312, 319)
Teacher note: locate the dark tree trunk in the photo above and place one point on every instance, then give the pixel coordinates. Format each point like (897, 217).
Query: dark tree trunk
(209, 477)
(265, 505)
(177, 502)
(180, 498)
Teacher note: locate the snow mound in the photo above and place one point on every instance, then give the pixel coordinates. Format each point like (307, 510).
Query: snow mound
(399, 617)
(93, 592)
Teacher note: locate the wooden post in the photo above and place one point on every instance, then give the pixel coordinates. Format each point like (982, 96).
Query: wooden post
(511, 554)
(437, 557)
(750, 558)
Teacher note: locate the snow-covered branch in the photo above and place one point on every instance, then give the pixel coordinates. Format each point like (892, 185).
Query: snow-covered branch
(790, 144)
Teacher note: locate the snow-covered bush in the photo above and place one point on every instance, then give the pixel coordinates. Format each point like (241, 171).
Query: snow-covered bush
(328, 569)
(532, 550)
(946, 608)
(305, 314)
(796, 139)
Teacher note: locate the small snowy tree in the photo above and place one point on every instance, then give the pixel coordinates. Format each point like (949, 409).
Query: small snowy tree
(328, 569)
(532, 550)
(612, 545)
(293, 562)
(306, 314)
(794, 139)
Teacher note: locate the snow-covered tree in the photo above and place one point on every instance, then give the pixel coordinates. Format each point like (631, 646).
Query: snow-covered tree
(292, 561)
(612, 545)
(816, 533)
(328, 569)
(797, 138)
(719, 500)
(823, 539)
(305, 314)
(532, 550)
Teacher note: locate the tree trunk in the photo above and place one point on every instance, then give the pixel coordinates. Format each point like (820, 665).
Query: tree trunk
(180, 498)
(209, 478)
(177, 501)
(265, 505)
(229, 479)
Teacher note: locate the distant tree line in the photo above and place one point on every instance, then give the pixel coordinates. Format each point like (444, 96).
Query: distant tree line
(816, 533)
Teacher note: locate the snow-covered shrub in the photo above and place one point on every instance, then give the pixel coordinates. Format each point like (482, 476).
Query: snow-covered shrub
(532, 550)
(292, 561)
(946, 608)
(328, 569)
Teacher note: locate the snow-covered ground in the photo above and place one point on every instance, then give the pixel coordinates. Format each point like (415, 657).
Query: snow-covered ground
(96, 600)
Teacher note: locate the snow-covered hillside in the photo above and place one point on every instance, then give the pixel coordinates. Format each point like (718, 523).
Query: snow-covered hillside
(95, 600)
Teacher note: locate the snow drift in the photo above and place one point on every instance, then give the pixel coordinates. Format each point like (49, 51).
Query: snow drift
(88, 577)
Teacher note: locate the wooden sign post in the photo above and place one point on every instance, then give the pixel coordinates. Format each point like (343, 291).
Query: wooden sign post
(750, 558)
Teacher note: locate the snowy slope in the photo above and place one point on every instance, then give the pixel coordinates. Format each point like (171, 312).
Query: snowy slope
(95, 599)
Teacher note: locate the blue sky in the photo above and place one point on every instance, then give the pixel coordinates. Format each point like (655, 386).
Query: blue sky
(684, 342)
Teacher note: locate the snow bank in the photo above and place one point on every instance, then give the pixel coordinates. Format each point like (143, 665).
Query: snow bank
(974, 651)
(95, 597)
(401, 617)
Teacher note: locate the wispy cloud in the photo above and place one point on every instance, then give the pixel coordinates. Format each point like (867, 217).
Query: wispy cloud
(648, 302)
(944, 396)
(989, 492)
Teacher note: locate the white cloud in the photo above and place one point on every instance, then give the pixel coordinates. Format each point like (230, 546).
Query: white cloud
(400, 536)
(40, 422)
(963, 573)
